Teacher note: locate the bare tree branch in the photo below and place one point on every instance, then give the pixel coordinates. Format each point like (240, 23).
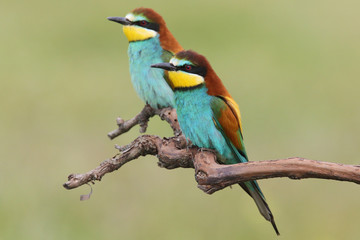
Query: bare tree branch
(170, 152)
(212, 176)
(142, 119)
(174, 152)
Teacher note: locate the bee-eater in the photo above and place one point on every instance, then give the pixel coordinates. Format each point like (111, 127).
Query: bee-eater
(208, 115)
(150, 42)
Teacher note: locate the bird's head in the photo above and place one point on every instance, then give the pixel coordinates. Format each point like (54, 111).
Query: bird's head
(144, 23)
(140, 24)
(187, 69)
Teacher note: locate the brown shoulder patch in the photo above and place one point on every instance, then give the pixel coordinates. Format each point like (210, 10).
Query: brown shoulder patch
(213, 82)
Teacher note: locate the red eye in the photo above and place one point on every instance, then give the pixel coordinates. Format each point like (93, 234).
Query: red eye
(143, 23)
(188, 67)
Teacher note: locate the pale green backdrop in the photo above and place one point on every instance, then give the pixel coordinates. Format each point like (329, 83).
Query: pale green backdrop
(293, 67)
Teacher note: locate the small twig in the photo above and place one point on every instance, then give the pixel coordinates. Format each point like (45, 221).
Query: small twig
(142, 120)
(86, 196)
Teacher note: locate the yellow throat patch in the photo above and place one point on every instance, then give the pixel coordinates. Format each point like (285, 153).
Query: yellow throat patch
(135, 33)
(181, 79)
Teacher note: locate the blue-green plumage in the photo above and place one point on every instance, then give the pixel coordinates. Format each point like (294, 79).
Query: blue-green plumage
(149, 83)
(195, 117)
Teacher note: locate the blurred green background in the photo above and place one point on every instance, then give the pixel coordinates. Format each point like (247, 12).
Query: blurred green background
(293, 67)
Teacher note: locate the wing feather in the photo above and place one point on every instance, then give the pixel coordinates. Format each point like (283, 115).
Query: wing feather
(227, 115)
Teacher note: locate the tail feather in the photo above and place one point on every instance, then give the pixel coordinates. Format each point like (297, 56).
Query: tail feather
(254, 191)
(251, 187)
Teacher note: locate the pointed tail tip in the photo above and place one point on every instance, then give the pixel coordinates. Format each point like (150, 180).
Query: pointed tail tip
(274, 226)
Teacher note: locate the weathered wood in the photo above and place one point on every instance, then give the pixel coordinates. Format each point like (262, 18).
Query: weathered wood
(174, 152)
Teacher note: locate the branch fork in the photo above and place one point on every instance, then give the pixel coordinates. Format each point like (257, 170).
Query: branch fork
(142, 119)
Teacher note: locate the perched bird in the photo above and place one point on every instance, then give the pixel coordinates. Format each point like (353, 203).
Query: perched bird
(150, 42)
(208, 116)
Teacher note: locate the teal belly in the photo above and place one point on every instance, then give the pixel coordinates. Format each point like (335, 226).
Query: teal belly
(195, 119)
(149, 83)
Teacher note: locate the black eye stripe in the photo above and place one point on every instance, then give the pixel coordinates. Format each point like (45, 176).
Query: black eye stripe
(194, 69)
(148, 25)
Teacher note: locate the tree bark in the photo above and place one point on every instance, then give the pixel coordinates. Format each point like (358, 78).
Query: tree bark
(176, 152)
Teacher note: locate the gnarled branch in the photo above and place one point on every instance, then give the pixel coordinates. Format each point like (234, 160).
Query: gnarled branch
(174, 152)
(212, 176)
(142, 120)
(170, 152)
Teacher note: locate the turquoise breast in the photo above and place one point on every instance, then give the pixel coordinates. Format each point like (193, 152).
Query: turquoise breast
(149, 83)
(194, 113)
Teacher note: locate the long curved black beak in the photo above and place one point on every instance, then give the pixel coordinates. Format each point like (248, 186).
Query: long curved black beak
(165, 66)
(120, 20)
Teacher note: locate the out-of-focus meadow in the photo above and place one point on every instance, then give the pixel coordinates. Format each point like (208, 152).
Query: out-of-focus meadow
(293, 67)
